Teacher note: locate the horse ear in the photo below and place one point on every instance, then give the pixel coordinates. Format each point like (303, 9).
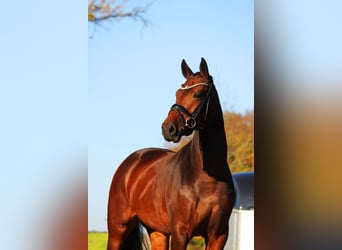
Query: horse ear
(186, 70)
(204, 68)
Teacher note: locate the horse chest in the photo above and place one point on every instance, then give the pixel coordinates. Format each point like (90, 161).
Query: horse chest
(201, 197)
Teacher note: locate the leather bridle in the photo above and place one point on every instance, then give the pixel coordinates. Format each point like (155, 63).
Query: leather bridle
(190, 122)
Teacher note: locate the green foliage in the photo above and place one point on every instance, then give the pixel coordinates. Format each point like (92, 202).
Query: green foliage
(196, 243)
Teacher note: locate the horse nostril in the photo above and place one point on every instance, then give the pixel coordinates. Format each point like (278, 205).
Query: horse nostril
(172, 129)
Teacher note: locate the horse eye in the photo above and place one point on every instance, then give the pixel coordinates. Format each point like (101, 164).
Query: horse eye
(198, 95)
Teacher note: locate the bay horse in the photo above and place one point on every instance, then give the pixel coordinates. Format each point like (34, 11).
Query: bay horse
(179, 194)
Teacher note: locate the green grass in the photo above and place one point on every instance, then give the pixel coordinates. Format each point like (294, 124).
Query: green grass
(98, 241)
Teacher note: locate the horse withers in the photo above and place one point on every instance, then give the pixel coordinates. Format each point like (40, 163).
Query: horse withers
(179, 194)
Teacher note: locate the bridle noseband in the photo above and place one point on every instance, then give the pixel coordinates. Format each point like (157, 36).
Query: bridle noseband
(190, 122)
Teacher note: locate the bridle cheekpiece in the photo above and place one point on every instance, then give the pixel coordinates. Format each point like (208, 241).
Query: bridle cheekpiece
(190, 122)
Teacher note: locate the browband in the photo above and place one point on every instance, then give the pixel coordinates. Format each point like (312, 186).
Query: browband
(195, 85)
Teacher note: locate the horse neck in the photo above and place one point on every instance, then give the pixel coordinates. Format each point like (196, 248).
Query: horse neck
(210, 143)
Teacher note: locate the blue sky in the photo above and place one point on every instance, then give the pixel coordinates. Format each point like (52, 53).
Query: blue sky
(134, 72)
(43, 113)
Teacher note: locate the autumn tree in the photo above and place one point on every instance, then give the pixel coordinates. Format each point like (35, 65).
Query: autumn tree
(240, 139)
(105, 10)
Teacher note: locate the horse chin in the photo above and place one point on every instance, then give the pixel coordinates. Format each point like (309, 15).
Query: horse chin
(173, 139)
(177, 138)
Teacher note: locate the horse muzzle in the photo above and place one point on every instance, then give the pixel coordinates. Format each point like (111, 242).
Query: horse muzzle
(170, 132)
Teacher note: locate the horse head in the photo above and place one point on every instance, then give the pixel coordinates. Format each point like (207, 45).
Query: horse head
(190, 111)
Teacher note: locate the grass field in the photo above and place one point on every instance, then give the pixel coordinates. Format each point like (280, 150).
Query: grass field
(98, 241)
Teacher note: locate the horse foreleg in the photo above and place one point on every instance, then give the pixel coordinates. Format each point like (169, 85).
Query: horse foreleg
(179, 238)
(218, 235)
(159, 241)
(217, 242)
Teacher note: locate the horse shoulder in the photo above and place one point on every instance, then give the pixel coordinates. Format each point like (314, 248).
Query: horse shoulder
(137, 162)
